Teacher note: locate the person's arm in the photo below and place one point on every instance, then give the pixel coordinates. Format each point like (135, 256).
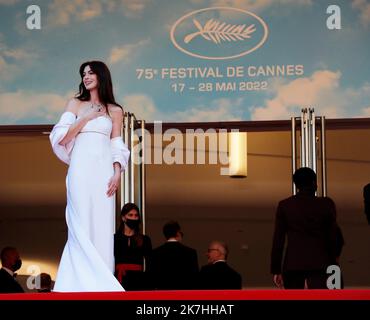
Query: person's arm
(116, 248)
(239, 283)
(335, 244)
(75, 128)
(117, 120)
(62, 136)
(339, 243)
(278, 247)
(147, 255)
(147, 246)
(195, 262)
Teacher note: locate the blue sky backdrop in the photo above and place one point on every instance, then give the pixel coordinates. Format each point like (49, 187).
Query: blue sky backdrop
(39, 68)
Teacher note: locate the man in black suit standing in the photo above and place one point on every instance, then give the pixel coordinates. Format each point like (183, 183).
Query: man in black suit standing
(173, 266)
(11, 262)
(309, 223)
(217, 274)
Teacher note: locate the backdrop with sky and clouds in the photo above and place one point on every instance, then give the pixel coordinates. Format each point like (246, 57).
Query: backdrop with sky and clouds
(39, 68)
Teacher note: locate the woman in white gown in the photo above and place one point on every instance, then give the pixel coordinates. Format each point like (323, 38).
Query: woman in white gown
(87, 137)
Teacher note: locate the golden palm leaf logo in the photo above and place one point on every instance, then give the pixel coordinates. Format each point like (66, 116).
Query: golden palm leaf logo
(223, 33)
(217, 32)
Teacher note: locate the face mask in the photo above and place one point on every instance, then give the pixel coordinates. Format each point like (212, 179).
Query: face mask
(132, 224)
(17, 265)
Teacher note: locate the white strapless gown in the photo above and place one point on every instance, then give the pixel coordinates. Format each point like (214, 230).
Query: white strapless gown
(87, 263)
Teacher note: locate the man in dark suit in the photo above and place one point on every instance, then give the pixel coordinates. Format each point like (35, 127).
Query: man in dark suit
(11, 262)
(217, 274)
(309, 223)
(173, 266)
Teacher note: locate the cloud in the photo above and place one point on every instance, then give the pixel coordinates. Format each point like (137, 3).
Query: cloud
(321, 90)
(126, 52)
(62, 12)
(13, 60)
(256, 5)
(8, 2)
(17, 54)
(141, 106)
(23, 106)
(220, 110)
(130, 8)
(363, 7)
(366, 112)
(8, 71)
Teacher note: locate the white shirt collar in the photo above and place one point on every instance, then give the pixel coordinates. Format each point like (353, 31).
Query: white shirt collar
(9, 271)
(219, 261)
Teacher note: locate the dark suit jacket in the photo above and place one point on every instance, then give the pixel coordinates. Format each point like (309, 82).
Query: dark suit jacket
(219, 275)
(8, 284)
(367, 201)
(174, 266)
(309, 223)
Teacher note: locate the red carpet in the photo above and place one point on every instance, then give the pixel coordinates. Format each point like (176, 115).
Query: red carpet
(199, 295)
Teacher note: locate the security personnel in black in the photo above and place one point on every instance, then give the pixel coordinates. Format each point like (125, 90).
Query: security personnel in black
(11, 262)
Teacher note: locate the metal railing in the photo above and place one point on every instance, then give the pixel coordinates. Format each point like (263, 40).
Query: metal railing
(133, 181)
(308, 140)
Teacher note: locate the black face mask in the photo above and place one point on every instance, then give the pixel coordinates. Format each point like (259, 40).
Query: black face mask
(132, 224)
(17, 265)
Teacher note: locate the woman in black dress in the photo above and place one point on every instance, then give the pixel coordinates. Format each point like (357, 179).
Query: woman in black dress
(131, 249)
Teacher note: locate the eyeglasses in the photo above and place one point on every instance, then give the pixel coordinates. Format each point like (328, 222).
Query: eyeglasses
(211, 249)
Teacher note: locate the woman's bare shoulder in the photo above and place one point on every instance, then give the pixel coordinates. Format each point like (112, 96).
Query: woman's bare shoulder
(73, 105)
(115, 110)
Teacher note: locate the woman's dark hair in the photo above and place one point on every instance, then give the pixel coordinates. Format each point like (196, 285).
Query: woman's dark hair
(105, 89)
(125, 210)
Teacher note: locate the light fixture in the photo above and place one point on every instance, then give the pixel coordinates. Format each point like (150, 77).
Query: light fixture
(238, 154)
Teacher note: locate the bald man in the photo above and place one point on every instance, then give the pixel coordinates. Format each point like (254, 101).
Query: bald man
(217, 274)
(11, 262)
